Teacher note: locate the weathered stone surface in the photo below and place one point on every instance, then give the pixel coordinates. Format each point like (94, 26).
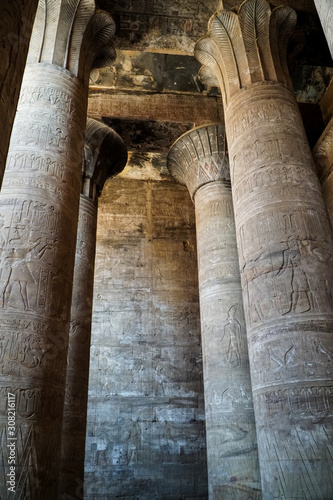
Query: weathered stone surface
(285, 250)
(145, 433)
(325, 11)
(199, 159)
(105, 156)
(283, 235)
(39, 209)
(16, 23)
(158, 107)
(323, 155)
(149, 71)
(149, 135)
(171, 26)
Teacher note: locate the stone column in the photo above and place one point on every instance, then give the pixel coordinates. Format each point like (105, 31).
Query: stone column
(323, 155)
(38, 222)
(285, 249)
(16, 21)
(199, 160)
(325, 12)
(105, 157)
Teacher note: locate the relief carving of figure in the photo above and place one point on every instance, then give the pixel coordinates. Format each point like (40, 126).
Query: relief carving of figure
(14, 264)
(232, 335)
(301, 297)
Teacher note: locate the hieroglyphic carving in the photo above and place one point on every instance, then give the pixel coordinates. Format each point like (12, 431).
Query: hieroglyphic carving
(310, 441)
(230, 425)
(285, 244)
(16, 21)
(307, 356)
(105, 156)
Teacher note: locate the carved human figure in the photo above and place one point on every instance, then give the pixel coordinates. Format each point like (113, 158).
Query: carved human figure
(292, 259)
(199, 160)
(232, 332)
(282, 227)
(14, 263)
(40, 203)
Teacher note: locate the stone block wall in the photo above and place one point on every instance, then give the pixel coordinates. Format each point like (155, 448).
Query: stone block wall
(145, 432)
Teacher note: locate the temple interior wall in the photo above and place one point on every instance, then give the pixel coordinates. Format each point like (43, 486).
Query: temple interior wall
(145, 428)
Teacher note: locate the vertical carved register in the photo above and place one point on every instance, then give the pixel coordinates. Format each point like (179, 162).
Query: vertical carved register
(39, 214)
(285, 249)
(105, 157)
(16, 21)
(199, 160)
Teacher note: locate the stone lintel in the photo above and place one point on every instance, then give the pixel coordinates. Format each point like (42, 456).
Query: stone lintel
(198, 109)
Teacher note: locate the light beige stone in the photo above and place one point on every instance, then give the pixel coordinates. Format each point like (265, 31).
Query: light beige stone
(199, 160)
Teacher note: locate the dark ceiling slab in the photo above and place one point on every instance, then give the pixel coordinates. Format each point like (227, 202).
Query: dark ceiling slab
(148, 71)
(159, 24)
(148, 135)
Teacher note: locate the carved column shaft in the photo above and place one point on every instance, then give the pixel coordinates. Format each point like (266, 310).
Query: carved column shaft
(285, 250)
(39, 205)
(76, 398)
(39, 210)
(230, 427)
(105, 156)
(199, 160)
(16, 21)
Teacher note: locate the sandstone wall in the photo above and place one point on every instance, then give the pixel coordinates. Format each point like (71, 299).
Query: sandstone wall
(145, 433)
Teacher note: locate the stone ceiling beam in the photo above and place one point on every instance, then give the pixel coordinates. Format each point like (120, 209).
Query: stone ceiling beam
(180, 108)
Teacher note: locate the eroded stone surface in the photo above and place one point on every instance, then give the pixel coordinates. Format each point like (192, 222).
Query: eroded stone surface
(285, 250)
(145, 433)
(15, 30)
(39, 215)
(199, 159)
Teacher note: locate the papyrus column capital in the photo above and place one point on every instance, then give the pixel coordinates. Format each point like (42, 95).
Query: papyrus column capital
(247, 46)
(199, 157)
(72, 35)
(105, 156)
